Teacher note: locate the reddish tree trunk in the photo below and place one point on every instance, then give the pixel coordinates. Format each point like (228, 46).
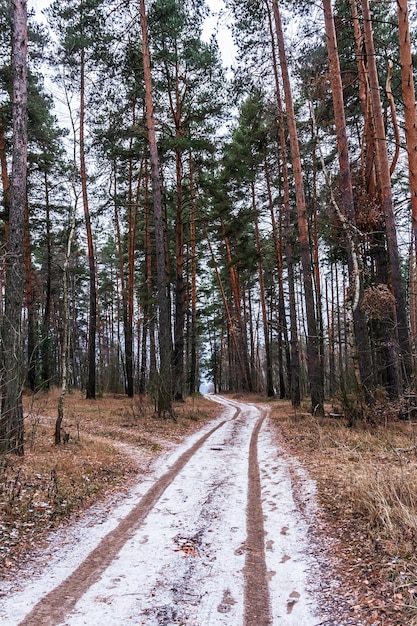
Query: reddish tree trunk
(409, 97)
(384, 183)
(315, 367)
(165, 337)
(359, 321)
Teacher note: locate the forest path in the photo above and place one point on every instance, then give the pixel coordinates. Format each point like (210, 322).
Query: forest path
(213, 537)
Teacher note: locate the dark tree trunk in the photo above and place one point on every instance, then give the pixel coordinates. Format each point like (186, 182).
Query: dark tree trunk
(179, 281)
(11, 424)
(268, 355)
(165, 336)
(242, 354)
(4, 178)
(193, 252)
(30, 303)
(45, 347)
(147, 328)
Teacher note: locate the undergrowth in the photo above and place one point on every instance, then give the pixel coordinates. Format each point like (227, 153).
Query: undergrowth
(367, 484)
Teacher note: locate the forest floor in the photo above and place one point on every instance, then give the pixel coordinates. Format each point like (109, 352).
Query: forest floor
(340, 504)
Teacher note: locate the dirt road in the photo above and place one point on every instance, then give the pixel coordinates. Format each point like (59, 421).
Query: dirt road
(213, 537)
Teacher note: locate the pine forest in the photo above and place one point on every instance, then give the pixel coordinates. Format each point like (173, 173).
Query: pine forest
(168, 221)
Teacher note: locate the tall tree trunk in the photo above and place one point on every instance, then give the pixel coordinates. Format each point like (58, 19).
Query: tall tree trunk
(233, 344)
(131, 244)
(315, 245)
(315, 370)
(122, 277)
(368, 142)
(147, 328)
(92, 323)
(413, 292)
(242, 346)
(11, 423)
(409, 97)
(179, 280)
(165, 336)
(30, 304)
(384, 182)
(123, 290)
(293, 361)
(193, 252)
(65, 331)
(270, 392)
(133, 212)
(282, 320)
(127, 290)
(359, 321)
(4, 178)
(45, 347)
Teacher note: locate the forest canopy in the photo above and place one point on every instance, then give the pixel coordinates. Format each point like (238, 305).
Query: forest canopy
(167, 221)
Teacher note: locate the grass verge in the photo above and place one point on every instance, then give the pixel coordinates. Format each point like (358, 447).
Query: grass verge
(367, 487)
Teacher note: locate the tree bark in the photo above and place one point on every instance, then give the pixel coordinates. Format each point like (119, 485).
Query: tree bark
(11, 423)
(45, 348)
(368, 143)
(165, 337)
(148, 325)
(65, 331)
(410, 116)
(193, 252)
(384, 181)
(315, 371)
(179, 280)
(92, 326)
(283, 343)
(270, 392)
(359, 322)
(4, 178)
(240, 336)
(29, 303)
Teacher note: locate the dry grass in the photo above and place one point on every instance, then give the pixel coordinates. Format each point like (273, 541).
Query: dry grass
(112, 440)
(367, 486)
(373, 470)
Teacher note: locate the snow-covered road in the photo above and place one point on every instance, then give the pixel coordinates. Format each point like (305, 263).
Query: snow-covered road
(213, 537)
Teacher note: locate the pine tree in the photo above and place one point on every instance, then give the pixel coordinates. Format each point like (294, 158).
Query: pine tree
(313, 353)
(164, 394)
(78, 24)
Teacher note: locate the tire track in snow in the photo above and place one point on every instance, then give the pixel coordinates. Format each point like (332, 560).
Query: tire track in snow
(192, 550)
(55, 605)
(257, 605)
